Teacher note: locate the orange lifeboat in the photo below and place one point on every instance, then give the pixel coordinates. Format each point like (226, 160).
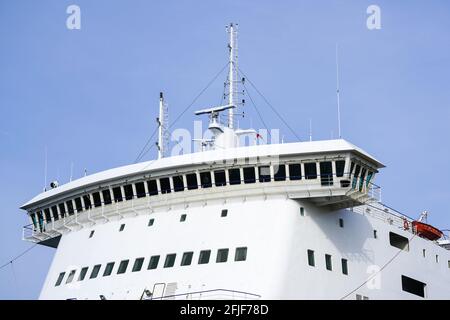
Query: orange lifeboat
(426, 231)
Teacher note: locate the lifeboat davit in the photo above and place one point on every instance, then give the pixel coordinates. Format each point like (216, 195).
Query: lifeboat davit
(426, 231)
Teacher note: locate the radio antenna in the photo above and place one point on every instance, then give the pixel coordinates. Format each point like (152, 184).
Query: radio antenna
(337, 93)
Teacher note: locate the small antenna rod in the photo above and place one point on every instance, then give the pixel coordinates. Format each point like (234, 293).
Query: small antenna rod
(337, 94)
(71, 171)
(310, 129)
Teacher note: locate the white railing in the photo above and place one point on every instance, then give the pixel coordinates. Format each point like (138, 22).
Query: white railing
(215, 294)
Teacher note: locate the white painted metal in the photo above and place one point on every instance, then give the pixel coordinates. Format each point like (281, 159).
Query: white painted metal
(232, 72)
(163, 127)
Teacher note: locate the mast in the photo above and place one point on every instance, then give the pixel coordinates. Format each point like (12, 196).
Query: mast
(232, 73)
(163, 122)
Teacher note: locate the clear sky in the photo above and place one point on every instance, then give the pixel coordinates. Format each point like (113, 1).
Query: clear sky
(90, 96)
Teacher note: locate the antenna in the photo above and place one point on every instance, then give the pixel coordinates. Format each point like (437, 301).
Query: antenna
(163, 124)
(310, 129)
(232, 73)
(337, 93)
(71, 171)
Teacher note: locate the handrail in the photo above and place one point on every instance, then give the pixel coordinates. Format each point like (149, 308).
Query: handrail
(257, 296)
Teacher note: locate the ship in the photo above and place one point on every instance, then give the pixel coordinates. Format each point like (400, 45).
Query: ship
(238, 219)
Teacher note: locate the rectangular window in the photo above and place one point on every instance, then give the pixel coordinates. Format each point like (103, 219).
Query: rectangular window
(122, 226)
(448, 262)
(178, 183)
(83, 273)
(363, 177)
(311, 261)
(153, 264)
(152, 187)
(224, 213)
(128, 189)
(78, 204)
(219, 178)
(205, 179)
(91, 234)
(204, 256)
(117, 192)
(279, 172)
(47, 214)
(399, 241)
(71, 276)
(437, 259)
(87, 202)
(123, 266)
(55, 213)
(352, 166)
(95, 271)
(328, 264)
(295, 171)
(70, 209)
(249, 175)
(62, 209)
(186, 260)
(183, 218)
(97, 200)
(140, 189)
(191, 180)
(108, 269)
(222, 255)
(375, 235)
(138, 264)
(60, 279)
(241, 254)
(413, 286)
(165, 185)
(106, 196)
(310, 170)
(341, 222)
(355, 176)
(340, 167)
(151, 222)
(264, 173)
(326, 173)
(302, 211)
(344, 266)
(235, 176)
(170, 260)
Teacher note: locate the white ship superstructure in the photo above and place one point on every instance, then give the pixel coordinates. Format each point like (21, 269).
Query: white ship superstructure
(296, 220)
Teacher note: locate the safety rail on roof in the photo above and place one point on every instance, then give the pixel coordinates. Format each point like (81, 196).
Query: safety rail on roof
(214, 294)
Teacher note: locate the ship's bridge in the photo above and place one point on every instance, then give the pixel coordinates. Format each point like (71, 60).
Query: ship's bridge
(332, 173)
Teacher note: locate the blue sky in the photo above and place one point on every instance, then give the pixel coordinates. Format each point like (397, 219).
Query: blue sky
(90, 96)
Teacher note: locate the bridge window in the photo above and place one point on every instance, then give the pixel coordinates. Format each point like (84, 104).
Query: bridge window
(352, 166)
(95, 271)
(340, 167)
(71, 276)
(241, 254)
(78, 204)
(361, 180)
(83, 273)
(413, 286)
(87, 202)
(165, 185)
(279, 172)
(123, 266)
(328, 264)
(60, 279)
(356, 175)
(310, 170)
(55, 213)
(205, 179)
(128, 189)
(108, 269)
(170, 260)
(178, 183)
(153, 264)
(311, 261)
(152, 187)
(295, 171)
(235, 176)
(222, 255)
(62, 209)
(138, 264)
(117, 192)
(399, 241)
(369, 177)
(47, 215)
(249, 175)
(344, 264)
(264, 173)
(219, 178)
(106, 196)
(204, 256)
(191, 180)
(326, 173)
(140, 189)
(186, 260)
(96, 198)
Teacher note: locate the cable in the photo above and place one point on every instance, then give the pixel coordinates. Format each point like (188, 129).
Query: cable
(381, 269)
(268, 103)
(142, 153)
(20, 255)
